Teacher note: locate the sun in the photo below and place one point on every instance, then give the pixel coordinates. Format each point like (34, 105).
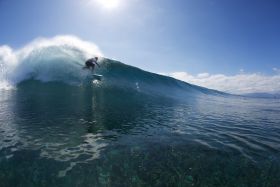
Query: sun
(109, 4)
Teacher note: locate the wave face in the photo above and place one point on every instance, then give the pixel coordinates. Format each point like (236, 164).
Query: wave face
(133, 128)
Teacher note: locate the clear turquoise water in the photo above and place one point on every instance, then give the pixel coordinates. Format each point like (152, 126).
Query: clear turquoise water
(56, 134)
(134, 128)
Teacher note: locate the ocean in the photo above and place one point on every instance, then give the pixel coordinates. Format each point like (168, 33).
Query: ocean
(58, 127)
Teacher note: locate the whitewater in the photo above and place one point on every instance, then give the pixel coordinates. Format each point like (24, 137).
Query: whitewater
(55, 59)
(133, 128)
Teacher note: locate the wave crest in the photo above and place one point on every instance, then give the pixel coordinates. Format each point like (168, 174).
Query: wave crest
(45, 59)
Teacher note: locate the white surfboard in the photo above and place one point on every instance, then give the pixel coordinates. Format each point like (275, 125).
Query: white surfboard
(97, 77)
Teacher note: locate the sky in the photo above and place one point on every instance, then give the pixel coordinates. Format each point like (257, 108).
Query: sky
(205, 42)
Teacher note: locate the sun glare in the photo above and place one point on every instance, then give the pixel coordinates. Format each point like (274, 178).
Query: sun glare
(109, 4)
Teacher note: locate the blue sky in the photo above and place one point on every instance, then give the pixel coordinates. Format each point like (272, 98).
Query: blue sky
(194, 36)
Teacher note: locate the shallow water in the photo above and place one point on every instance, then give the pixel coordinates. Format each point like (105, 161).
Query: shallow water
(52, 134)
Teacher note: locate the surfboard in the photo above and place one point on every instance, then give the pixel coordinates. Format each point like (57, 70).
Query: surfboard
(97, 77)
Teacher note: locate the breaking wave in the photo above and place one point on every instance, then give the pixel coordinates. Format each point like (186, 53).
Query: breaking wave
(60, 59)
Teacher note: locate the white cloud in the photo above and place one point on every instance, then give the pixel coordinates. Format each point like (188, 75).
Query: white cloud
(203, 75)
(277, 70)
(237, 84)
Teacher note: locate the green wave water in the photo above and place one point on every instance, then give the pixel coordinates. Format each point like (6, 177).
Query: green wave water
(134, 128)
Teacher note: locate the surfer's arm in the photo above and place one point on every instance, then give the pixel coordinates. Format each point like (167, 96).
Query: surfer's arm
(97, 64)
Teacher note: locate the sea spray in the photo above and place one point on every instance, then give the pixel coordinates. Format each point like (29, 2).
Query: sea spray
(46, 59)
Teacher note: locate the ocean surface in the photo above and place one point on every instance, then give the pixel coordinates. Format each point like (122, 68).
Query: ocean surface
(58, 127)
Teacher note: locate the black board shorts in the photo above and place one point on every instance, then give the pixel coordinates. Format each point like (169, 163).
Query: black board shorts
(89, 64)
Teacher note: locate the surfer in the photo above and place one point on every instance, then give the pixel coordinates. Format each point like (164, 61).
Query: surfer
(90, 63)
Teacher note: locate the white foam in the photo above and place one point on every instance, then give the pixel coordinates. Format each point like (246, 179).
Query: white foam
(44, 59)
